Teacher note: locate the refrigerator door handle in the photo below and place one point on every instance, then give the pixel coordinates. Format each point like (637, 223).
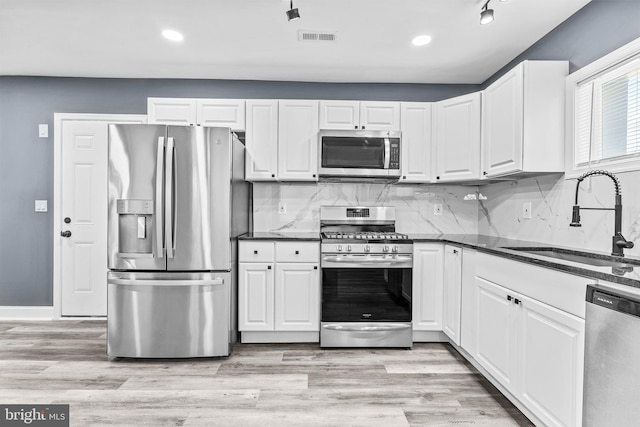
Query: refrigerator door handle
(137, 282)
(169, 225)
(159, 214)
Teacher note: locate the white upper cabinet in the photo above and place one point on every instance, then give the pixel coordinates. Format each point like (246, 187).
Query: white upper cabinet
(221, 113)
(298, 140)
(368, 115)
(457, 138)
(194, 111)
(171, 111)
(523, 120)
(261, 140)
(415, 124)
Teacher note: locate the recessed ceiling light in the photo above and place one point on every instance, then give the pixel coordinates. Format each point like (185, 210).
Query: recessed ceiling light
(421, 40)
(172, 35)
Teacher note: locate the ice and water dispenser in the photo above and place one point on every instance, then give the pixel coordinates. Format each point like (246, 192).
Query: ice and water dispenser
(135, 222)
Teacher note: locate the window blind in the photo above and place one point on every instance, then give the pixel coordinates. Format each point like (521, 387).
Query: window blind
(607, 116)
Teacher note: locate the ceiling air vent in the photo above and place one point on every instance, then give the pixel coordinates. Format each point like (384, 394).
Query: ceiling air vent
(316, 36)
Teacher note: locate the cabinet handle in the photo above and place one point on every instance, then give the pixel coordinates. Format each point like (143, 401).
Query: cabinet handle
(455, 251)
(268, 267)
(404, 177)
(273, 175)
(484, 173)
(315, 267)
(509, 298)
(363, 127)
(314, 175)
(255, 252)
(356, 127)
(517, 301)
(437, 177)
(297, 252)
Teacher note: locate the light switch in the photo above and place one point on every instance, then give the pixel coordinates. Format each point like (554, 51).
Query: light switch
(43, 131)
(41, 205)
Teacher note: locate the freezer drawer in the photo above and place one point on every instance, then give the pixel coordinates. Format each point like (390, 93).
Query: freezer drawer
(169, 315)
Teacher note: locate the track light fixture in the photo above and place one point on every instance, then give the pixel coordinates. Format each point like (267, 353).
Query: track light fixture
(293, 14)
(486, 15)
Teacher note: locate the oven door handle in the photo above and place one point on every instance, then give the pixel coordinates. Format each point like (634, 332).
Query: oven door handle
(367, 328)
(366, 262)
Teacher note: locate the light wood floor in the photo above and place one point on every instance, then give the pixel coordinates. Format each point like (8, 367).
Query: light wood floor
(267, 385)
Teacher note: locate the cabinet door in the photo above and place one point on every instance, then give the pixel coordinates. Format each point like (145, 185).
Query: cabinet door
(551, 363)
(171, 111)
(261, 140)
(339, 114)
(457, 138)
(221, 112)
(377, 115)
(255, 296)
(297, 302)
(496, 331)
(298, 140)
(415, 124)
(451, 292)
(502, 115)
(426, 298)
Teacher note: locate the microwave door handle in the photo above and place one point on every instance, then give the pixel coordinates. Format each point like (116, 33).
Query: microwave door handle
(169, 197)
(387, 153)
(159, 214)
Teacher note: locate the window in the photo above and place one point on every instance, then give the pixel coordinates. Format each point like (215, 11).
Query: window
(604, 125)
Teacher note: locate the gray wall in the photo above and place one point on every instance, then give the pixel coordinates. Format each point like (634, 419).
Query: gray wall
(26, 161)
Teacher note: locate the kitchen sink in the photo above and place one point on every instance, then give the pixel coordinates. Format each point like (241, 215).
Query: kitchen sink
(595, 260)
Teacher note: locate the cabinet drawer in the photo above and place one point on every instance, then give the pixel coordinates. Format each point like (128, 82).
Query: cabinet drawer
(297, 252)
(250, 251)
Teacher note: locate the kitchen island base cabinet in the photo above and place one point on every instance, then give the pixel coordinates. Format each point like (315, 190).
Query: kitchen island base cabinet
(279, 291)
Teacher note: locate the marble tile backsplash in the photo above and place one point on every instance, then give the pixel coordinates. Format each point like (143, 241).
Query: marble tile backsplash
(414, 205)
(551, 196)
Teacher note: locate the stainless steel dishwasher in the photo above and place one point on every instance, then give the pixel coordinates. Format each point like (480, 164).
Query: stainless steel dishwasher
(612, 356)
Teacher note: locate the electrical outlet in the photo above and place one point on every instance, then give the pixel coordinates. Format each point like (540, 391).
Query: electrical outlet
(526, 210)
(437, 209)
(282, 208)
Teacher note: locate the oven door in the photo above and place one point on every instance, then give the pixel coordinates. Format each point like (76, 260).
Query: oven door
(349, 154)
(366, 301)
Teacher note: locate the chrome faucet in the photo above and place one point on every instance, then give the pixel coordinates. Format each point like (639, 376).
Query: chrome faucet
(618, 241)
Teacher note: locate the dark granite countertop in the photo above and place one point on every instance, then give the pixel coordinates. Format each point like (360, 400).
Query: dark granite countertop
(628, 275)
(280, 236)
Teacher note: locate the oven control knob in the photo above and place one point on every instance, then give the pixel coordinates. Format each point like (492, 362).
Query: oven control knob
(348, 248)
(367, 248)
(395, 248)
(339, 248)
(385, 249)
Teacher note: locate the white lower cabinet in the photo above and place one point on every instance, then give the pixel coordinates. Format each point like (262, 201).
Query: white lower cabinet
(297, 290)
(451, 292)
(278, 291)
(532, 349)
(426, 299)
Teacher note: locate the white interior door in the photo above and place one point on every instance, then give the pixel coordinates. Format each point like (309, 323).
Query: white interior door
(82, 229)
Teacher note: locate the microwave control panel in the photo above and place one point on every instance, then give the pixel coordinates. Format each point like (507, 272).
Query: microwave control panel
(394, 161)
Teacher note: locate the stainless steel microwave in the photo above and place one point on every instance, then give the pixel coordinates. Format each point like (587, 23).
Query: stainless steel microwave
(353, 153)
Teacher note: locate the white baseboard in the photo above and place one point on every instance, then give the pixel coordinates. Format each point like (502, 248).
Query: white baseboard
(265, 337)
(27, 313)
(430, 336)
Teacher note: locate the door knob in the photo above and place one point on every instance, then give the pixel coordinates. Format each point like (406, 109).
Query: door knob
(67, 220)
(65, 233)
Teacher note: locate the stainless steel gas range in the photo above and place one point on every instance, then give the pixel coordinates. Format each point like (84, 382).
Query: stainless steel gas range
(366, 278)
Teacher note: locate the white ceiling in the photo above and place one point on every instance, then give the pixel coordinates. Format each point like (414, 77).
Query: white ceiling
(252, 39)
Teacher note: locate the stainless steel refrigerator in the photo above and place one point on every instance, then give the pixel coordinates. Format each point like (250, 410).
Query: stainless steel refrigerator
(177, 202)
